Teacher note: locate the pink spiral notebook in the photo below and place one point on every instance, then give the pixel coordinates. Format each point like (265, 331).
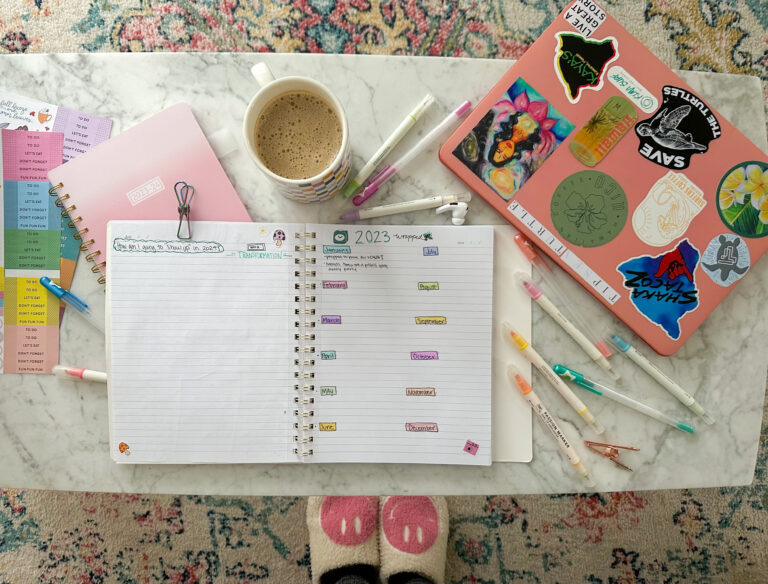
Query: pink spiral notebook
(619, 171)
(132, 176)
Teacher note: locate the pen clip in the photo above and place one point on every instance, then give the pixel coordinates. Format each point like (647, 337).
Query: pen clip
(184, 193)
(610, 451)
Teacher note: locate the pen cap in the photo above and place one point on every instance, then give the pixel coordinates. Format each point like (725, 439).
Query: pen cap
(620, 343)
(525, 281)
(52, 287)
(568, 373)
(514, 375)
(512, 336)
(462, 197)
(425, 102)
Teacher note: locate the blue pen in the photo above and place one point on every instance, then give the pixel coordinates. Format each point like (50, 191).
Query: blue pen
(604, 391)
(71, 300)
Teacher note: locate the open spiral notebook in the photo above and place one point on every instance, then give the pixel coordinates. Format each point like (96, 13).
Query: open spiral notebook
(300, 343)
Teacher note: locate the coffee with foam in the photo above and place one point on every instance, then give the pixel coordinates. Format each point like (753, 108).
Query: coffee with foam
(298, 135)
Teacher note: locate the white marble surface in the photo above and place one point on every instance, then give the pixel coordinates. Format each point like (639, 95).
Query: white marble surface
(53, 434)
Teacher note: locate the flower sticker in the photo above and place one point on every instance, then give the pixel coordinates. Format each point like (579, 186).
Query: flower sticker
(586, 213)
(742, 199)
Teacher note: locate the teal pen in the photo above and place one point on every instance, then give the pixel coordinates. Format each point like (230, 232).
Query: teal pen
(662, 379)
(71, 300)
(600, 389)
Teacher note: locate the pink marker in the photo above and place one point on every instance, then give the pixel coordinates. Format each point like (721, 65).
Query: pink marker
(390, 170)
(78, 373)
(552, 310)
(549, 276)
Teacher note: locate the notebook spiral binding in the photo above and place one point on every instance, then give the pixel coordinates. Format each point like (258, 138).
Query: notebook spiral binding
(80, 231)
(304, 400)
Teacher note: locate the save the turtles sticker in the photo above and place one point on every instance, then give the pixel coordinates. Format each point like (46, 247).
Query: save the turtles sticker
(580, 63)
(681, 127)
(663, 287)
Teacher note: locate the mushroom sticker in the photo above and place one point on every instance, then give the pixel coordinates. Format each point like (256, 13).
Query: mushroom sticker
(124, 448)
(278, 237)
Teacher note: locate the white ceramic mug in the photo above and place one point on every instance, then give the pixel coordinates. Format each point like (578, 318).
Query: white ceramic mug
(324, 184)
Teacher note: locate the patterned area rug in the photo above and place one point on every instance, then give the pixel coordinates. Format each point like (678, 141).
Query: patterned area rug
(705, 535)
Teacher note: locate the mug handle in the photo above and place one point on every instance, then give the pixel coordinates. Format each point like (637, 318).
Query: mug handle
(262, 74)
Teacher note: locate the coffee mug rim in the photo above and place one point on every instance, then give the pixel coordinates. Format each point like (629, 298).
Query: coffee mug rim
(328, 94)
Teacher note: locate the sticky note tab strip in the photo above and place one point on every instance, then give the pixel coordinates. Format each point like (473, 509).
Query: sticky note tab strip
(31, 249)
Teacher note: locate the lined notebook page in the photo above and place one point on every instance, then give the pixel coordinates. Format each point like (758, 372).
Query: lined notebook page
(403, 344)
(201, 342)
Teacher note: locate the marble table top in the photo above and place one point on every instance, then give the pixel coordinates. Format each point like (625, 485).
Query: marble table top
(54, 435)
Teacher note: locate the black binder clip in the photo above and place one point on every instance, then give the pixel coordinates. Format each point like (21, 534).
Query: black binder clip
(184, 194)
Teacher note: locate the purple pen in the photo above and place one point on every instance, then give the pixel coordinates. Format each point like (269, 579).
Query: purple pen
(389, 171)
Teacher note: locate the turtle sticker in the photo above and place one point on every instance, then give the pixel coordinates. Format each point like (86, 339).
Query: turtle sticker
(663, 287)
(726, 259)
(681, 127)
(580, 63)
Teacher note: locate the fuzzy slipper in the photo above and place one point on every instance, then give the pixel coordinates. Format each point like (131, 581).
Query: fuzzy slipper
(413, 539)
(343, 537)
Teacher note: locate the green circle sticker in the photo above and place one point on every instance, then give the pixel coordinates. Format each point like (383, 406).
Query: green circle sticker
(742, 199)
(589, 208)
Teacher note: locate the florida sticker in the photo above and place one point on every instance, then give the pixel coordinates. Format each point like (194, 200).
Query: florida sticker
(580, 63)
(663, 287)
(742, 199)
(726, 259)
(681, 127)
(512, 140)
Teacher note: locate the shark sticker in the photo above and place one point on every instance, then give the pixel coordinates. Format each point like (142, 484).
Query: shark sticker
(681, 127)
(663, 287)
(580, 63)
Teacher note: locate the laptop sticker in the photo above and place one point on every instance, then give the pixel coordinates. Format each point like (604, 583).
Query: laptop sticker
(508, 144)
(663, 287)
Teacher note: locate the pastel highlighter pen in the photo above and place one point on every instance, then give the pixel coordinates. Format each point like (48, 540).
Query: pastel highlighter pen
(662, 379)
(548, 421)
(538, 361)
(581, 339)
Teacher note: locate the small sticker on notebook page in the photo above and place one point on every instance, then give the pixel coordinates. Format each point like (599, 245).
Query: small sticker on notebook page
(471, 447)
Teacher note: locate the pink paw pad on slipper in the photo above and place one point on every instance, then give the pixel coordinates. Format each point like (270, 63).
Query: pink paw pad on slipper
(343, 531)
(414, 536)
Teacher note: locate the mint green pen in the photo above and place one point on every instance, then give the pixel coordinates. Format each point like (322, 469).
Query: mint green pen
(599, 389)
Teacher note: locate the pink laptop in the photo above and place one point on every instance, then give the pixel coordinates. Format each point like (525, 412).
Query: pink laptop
(623, 174)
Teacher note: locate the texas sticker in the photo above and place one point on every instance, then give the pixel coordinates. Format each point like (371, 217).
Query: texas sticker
(681, 127)
(581, 63)
(663, 287)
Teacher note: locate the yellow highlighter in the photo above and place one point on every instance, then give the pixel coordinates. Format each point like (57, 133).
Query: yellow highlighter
(538, 361)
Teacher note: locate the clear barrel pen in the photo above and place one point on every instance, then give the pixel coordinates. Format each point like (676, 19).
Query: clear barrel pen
(548, 421)
(538, 361)
(599, 389)
(80, 306)
(573, 331)
(555, 290)
(662, 379)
